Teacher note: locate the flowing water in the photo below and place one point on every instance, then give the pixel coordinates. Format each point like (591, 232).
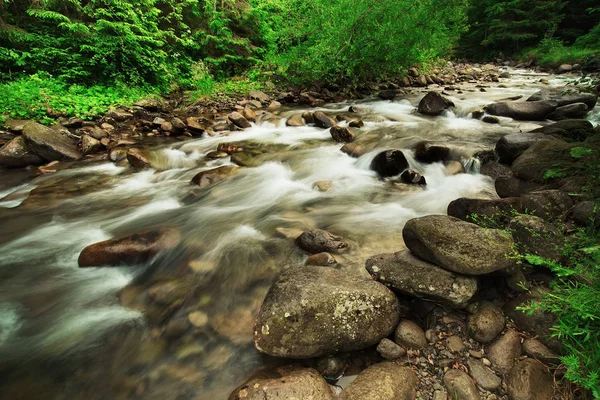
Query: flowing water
(71, 333)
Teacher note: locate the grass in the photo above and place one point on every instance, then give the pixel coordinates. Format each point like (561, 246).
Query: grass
(552, 53)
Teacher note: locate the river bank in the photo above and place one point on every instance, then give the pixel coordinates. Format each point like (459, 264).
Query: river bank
(182, 324)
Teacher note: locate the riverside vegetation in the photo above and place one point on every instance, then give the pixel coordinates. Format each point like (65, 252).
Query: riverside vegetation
(74, 63)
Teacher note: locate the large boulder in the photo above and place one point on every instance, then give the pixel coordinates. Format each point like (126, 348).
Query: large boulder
(541, 156)
(457, 245)
(564, 96)
(529, 380)
(523, 111)
(389, 163)
(568, 129)
(383, 381)
(283, 383)
(511, 186)
(535, 236)
(434, 104)
(474, 210)
(575, 110)
(15, 154)
(128, 250)
(317, 241)
(511, 146)
(547, 204)
(312, 311)
(49, 144)
(410, 275)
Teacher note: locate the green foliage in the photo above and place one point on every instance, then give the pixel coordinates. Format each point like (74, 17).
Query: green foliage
(363, 39)
(34, 96)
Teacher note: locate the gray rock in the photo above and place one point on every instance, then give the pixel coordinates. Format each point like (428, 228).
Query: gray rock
(529, 380)
(313, 311)
(575, 110)
(569, 129)
(390, 350)
(511, 186)
(539, 323)
(457, 245)
(541, 156)
(505, 351)
(317, 241)
(538, 350)
(410, 275)
(498, 210)
(488, 119)
(383, 381)
(523, 111)
(15, 154)
(564, 96)
(485, 324)
(535, 236)
(460, 386)
(49, 144)
(410, 335)
(485, 377)
(434, 104)
(511, 146)
(585, 213)
(283, 383)
(547, 204)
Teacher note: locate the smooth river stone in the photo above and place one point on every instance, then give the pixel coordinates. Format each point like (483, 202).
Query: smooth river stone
(408, 274)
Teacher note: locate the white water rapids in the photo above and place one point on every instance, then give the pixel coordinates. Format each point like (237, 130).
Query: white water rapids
(64, 329)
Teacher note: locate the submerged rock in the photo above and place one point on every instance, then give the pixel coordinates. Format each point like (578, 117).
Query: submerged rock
(15, 154)
(313, 311)
(317, 241)
(128, 250)
(210, 177)
(383, 381)
(410, 275)
(458, 246)
(412, 177)
(49, 144)
(389, 163)
(284, 383)
(523, 111)
(434, 104)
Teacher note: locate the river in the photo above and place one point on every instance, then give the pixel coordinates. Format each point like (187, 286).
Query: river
(71, 333)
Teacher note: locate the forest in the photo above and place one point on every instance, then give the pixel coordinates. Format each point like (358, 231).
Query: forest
(65, 60)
